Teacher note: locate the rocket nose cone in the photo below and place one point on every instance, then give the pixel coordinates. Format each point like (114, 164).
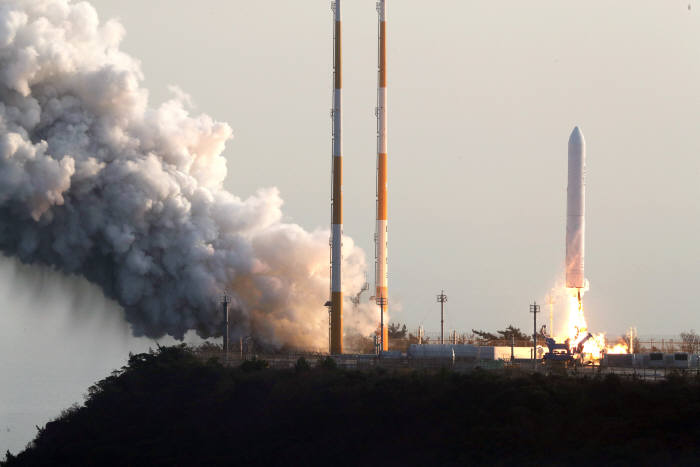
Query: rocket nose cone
(576, 137)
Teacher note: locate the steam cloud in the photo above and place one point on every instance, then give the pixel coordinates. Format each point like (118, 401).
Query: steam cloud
(96, 182)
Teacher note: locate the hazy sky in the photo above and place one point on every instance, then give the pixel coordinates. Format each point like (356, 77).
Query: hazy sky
(482, 98)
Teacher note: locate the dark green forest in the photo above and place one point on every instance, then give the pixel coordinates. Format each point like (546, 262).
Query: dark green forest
(169, 407)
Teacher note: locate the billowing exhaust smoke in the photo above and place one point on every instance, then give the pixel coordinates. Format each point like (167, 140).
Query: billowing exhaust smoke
(97, 183)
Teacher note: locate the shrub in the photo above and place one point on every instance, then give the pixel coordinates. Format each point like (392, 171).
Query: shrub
(328, 363)
(301, 365)
(254, 365)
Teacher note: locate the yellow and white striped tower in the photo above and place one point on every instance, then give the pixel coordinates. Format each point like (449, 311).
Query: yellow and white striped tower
(380, 267)
(337, 190)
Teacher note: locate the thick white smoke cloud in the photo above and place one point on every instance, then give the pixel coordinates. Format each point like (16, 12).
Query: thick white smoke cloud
(95, 182)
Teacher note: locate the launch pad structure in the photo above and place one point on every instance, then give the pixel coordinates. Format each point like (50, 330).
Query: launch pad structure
(381, 295)
(382, 230)
(336, 242)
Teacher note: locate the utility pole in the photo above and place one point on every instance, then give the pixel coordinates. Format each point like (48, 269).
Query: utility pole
(534, 309)
(225, 300)
(381, 301)
(442, 298)
(512, 350)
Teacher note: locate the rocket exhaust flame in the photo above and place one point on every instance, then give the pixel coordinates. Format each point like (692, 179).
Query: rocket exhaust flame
(588, 346)
(96, 182)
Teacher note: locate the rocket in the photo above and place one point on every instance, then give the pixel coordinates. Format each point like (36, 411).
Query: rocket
(381, 242)
(575, 212)
(336, 301)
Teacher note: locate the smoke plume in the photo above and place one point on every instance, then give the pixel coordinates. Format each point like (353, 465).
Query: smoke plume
(96, 182)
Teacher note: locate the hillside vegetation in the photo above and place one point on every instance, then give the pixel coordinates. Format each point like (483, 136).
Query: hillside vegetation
(168, 407)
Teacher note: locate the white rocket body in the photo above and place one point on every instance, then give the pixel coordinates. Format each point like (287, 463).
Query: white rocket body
(575, 211)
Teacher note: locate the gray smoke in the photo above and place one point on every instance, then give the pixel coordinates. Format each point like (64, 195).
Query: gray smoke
(96, 182)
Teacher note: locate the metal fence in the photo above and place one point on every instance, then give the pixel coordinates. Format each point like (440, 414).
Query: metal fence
(667, 344)
(689, 342)
(644, 374)
(400, 361)
(403, 363)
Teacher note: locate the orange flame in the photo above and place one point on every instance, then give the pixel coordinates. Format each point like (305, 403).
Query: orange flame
(595, 347)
